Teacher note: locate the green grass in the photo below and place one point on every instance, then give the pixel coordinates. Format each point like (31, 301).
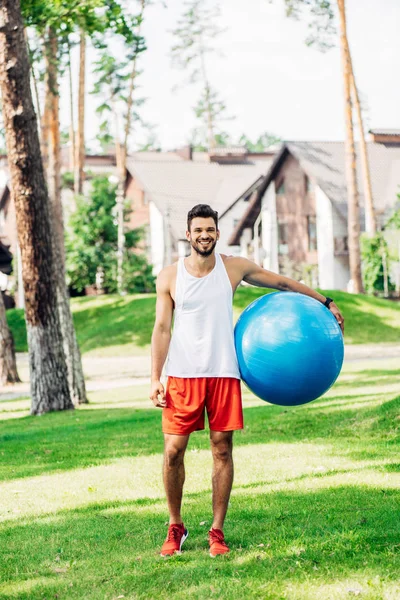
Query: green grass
(111, 325)
(313, 514)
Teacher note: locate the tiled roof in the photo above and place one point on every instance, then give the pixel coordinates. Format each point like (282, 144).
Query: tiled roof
(176, 186)
(326, 162)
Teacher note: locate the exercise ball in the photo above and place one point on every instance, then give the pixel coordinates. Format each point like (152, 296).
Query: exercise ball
(289, 347)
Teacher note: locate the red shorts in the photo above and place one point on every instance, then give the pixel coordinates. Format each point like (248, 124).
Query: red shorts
(187, 398)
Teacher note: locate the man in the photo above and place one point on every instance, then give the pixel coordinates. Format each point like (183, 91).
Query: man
(202, 367)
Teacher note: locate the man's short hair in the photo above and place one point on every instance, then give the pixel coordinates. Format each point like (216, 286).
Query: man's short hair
(202, 210)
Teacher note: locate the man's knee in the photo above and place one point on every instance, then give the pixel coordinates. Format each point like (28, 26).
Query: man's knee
(173, 456)
(222, 448)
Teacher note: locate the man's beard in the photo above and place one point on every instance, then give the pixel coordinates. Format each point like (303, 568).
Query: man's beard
(201, 251)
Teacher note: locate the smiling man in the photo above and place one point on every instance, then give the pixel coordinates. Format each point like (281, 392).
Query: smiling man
(202, 369)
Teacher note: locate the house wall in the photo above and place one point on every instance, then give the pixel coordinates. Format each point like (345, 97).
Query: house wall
(333, 270)
(226, 225)
(157, 240)
(269, 233)
(293, 205)
(140, 215)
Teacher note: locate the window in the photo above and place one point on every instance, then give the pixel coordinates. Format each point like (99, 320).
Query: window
(341, 245)
(283, 238)
(280, 189)
(308, 184)
(312, 233)
(235, 223)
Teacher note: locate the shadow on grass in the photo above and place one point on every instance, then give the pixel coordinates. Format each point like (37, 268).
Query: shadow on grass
(111, 320)
(121, 321)
(279, 542)
(61, 441)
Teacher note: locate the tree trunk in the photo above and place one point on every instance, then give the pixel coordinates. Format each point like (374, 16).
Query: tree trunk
(72, 155)
(129, 104)
(370, 214)
(49, 378)
(80, 141)
(71, 350)
(119, 154)
(8, 364)
(353, 218)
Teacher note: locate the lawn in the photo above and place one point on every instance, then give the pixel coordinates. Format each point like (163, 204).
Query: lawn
(111, 325)
(314, 511)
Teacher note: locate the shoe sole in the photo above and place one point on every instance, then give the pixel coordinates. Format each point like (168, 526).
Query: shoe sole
(184, 538)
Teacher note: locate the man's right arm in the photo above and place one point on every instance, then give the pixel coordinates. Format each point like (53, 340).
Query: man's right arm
(161, 336)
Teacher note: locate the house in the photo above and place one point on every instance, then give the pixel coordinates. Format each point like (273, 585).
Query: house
(164, 186)
(298, 217)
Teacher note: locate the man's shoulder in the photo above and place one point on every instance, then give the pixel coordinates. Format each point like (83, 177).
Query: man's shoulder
(230, 260)
(167, 275)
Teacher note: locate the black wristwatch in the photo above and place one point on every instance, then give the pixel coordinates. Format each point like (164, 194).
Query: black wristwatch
(327, 302)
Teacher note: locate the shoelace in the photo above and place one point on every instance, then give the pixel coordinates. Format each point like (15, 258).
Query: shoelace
(217, 536)
(174, 533)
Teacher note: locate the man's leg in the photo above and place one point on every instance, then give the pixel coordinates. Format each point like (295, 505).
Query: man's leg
(222, 477)
(174, 473)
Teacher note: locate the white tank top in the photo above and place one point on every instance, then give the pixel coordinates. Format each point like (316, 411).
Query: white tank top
(202, 343)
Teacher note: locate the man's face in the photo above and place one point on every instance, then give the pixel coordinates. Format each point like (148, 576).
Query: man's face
(203, 235)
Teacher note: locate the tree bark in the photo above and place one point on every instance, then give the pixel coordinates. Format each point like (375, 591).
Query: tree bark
(370, 214)
(129, 104)
(48, 369)
(8, 363)
(72, 156)
(353, 218)
(76, 379)
(80, 138)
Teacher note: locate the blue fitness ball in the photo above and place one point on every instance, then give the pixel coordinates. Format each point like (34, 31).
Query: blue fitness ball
(289, 347)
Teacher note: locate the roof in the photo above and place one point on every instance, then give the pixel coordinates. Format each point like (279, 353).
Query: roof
(325, 162)
(394, 132)
(176, 186)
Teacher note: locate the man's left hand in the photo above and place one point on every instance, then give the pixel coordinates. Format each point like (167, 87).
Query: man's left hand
(337, 314)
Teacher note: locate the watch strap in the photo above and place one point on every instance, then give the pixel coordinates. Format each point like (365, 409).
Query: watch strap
(328, 302)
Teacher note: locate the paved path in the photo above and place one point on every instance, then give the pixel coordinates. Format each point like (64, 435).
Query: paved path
(103, 373)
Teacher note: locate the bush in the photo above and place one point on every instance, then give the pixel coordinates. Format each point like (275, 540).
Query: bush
(92, 241)
(374, 250)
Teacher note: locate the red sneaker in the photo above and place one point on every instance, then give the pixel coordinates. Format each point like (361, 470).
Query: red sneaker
(217, 543)
(177, 534)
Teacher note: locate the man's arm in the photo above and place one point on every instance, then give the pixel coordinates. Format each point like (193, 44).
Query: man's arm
(161, 337)
(255, 275)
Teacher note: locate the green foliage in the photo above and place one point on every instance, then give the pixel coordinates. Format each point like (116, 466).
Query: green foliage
(374, 250)
(394, 221)
(322, 24)
(262, 143)
(195, 34)
(92, 240)
(94, 16)
(67, 180)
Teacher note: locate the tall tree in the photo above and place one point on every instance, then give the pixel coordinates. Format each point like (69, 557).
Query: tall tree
(8, 363)
(55, 29)
(322, 28)
(353, 217)
(80, 138)
(115, 83)
(49, 376)
(196, 30)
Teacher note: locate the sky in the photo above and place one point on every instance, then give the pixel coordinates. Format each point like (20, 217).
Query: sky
(266, 75)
